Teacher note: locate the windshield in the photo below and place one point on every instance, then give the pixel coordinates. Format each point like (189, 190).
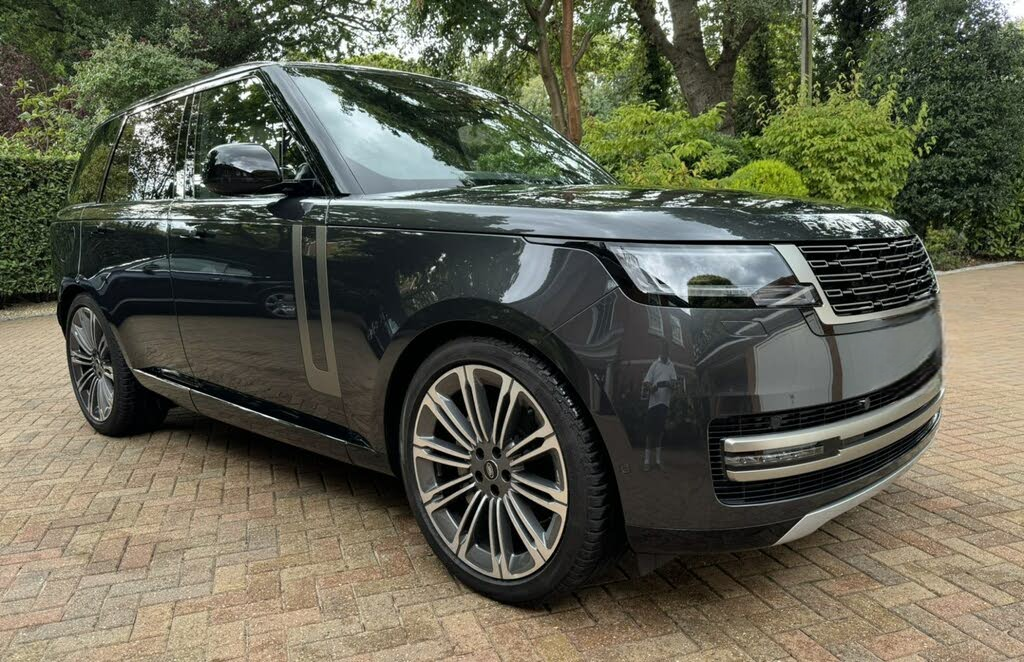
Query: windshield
(401, 132)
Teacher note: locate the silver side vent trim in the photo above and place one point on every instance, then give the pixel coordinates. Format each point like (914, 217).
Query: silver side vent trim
(325, 381)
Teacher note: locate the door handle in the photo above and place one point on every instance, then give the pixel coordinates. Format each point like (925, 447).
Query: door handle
(201, 233)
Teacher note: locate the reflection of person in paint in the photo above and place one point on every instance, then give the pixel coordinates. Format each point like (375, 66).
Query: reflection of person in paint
(661, 376)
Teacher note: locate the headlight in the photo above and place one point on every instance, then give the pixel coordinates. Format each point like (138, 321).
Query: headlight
(701, 276)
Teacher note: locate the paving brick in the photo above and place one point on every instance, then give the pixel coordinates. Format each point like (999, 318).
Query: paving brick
(201, 541)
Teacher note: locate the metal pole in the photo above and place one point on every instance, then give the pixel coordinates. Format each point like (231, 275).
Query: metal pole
(806, 49)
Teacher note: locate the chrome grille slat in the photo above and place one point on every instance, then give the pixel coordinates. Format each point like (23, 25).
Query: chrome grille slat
(865, 277)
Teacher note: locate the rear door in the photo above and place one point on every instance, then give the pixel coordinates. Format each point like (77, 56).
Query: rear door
(235, 262)
(124, 235)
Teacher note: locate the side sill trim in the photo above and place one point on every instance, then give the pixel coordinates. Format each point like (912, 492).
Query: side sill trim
(814, 520)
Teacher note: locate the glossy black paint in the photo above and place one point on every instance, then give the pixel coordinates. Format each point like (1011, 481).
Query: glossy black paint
(204, 298)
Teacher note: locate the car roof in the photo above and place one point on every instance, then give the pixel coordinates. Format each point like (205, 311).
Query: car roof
(230, 72)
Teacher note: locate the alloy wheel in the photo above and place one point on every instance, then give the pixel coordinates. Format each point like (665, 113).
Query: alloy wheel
(92, 372)
(489, 471)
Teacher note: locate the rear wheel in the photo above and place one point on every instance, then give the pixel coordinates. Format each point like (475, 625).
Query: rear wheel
(504, 475)
(111, 399)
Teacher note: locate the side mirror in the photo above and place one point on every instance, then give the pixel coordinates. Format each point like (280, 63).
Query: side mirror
(240, 169)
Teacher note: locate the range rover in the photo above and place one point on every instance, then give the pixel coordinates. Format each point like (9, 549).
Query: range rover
(420, 278)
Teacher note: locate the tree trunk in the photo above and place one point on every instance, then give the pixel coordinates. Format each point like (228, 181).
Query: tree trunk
(704, 85)
(550, 78)
(573, 109)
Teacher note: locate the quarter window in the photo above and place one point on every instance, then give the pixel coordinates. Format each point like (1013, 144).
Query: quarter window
(145, 160)
(93, 164)
(242, 112)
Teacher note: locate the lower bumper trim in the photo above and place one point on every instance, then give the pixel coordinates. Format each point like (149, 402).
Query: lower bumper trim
(813, 521)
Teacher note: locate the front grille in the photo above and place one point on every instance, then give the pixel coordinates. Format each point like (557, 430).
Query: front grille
(801, 485)
(871, 276)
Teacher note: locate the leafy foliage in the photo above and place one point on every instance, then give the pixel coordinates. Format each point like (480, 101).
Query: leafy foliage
(767, 176)
(644, 146)
(32, 191)
(964, 61)
(847, 149)
(947, 248)
(58, 121)
(125, 70)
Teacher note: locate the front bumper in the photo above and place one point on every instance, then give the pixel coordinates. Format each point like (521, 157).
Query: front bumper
(741, 365)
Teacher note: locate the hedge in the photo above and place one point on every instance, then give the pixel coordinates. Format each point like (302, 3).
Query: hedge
(32, 190)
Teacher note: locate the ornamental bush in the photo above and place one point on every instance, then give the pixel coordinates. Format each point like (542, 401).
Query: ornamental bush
(644, 146)
(847, 149)
(32, 190)
(767, 176)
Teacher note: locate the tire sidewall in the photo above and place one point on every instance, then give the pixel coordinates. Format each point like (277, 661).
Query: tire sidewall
(554, 401)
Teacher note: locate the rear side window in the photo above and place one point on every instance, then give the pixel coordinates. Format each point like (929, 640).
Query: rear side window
(241, 112)
(93, 163)
(145, 164)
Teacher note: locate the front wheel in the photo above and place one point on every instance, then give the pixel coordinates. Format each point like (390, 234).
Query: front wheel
(504, 475)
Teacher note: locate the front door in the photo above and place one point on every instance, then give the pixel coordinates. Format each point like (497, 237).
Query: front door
(235, 262)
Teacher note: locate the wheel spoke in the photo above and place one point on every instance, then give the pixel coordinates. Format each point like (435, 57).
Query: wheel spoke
(81, 337)
(477, 407)
(504, 410)
(518, 453)
(448, 415)
(494, 540)
(79, 357)
(542, 485)
(470, 519)
(529, 530)
(552, 505)
(431, 493)
(441, 446)
(434, 504)
(104, 397)
(439, 458)
(84, 382)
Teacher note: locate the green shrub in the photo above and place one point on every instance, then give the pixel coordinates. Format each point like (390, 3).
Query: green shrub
(767, 176)
(644, 146)
(947, 248)
(32, 190)
(847, 149)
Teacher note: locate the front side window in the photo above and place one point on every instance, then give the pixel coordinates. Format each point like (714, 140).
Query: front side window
(145, 161)
(241, 112)
(93, 163)
(400, 132)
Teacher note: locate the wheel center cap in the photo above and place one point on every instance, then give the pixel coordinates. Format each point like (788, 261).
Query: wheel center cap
(491, 470)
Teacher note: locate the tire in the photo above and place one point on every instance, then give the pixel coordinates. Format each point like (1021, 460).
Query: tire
(117, 405)
(480, 532)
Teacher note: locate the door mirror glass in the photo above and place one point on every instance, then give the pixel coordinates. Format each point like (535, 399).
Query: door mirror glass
(240, 169)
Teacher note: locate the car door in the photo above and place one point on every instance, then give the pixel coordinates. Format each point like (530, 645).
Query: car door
(124, 235)
(235, 262)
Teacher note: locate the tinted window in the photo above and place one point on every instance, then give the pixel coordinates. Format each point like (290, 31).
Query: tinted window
(241, 112)
(401, 132)
(93, 163)
(145, 164)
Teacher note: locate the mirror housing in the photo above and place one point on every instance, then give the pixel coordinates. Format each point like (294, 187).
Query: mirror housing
(241, 169)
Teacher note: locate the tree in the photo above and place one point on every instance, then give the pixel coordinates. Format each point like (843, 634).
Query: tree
(706, 43)
(544, 29)
(962, 59)
(847, 28)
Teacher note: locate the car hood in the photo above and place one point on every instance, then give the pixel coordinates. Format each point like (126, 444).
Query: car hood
(614, 213)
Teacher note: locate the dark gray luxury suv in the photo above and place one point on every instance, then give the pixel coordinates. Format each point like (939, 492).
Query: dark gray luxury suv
(418, 277)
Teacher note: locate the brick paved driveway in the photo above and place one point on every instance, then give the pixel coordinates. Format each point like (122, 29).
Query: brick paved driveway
(202, 541)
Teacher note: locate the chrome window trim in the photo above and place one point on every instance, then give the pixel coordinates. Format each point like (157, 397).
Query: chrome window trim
(802, 270)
